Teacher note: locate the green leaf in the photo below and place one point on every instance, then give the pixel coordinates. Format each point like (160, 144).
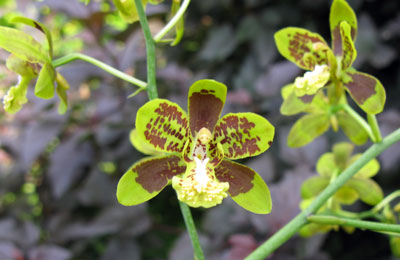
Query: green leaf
(341, 11)
(342, 152)
(242, 135)
(326, 165)
(22, 67)
(246, 187)
(366, 90)
(16, 96)
(349, 52)
(346, 195)
(369, 170)
(127, 9)
(313, 186)
(44, 87)
(163, 125)
(22, 45)
(368, 190)
(40, 26)
(307, 128)
(352, 129)
(62, 87)
(180, 25)
(146, 178)
(141, 146)
(302, 47)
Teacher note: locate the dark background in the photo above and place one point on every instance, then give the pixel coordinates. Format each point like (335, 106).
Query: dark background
(58, 173)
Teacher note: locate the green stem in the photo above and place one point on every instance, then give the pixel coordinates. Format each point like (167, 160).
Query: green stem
(117, 73)
(152, 93)
(150, 51)
(172, 22)
(187, 216)
(373, 123)
(333, 178)
(301, 219)
(333, 220)
(360, 120)
(386, 201)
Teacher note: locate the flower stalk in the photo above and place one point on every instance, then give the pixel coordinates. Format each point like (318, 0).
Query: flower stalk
(152, 93)
(117, 73)
(172, 22)
(363, 224)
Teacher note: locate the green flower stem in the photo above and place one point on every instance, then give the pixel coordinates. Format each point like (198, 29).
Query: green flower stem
(187, 216)
(150, 51)
(334, 220)
(373, 123)
(360, 120)
(117, 73)
(300, 220)
(386, 201)
(152, 93)
(172, 22)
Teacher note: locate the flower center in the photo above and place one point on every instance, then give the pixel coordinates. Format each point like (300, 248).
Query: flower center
(198, 187)
(312, 81)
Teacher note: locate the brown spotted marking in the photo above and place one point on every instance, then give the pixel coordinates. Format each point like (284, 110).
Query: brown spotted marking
(154, 174)
(337, 41)
(37, 26)
(361, 87)
(307, 98)
(161, 126)
(299, 45)
(238, 176)
(348, 53)
(204, 110)
(240, 140)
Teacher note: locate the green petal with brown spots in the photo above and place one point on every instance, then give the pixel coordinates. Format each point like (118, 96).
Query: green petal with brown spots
(302, 47)
(163, 125)
(146, 178)
(242, 135)
(246, 187)
(349, 52)
(366, 90)
(341, 11)
(205, 102)
(307, 128)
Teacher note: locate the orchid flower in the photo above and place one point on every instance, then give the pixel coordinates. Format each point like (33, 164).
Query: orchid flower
(196, 152)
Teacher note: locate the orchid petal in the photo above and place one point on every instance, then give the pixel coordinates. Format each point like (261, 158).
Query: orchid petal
(146, 178)
(205, 103)
(302, 47)
(242, 135)
(162, 125)
(246, 187)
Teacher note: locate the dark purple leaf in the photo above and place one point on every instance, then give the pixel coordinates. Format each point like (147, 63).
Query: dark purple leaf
(49, 252)
(69, 162)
